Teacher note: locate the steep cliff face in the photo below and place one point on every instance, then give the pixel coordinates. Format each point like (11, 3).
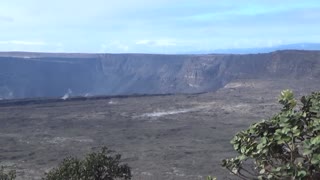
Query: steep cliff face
(25, 75)
(20, 78)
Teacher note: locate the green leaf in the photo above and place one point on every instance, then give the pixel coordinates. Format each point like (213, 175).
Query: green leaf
(307, 152)
(264, 140)
(315, 161)
(302, 173)
(262, 171)
(315, 140)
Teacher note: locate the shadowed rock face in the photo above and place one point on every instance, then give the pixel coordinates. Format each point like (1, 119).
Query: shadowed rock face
(24, 75)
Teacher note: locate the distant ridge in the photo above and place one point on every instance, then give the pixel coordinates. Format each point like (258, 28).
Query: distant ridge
(37, 75)
(297, 46)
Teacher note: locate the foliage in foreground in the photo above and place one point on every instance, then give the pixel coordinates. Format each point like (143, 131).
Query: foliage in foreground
(287, 146)
(211, 178)
(102, 165)
(7, 175)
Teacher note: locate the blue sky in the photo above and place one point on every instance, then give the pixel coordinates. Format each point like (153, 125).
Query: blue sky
(155, 26)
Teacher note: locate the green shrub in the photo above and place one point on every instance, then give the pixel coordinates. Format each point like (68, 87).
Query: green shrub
(7, 174)
(104, 165)
(287, 146)
(211, 178)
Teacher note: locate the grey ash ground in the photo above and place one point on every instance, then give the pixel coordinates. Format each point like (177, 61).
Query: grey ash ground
(160, 137)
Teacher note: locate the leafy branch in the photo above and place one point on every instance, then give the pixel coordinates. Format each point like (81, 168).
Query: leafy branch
(287, 146)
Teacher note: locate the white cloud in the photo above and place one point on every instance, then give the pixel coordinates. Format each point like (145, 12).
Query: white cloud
(143, 42)
(159, 42)
(29, 43)
(165, 42)
(34, 46)
(114, 47)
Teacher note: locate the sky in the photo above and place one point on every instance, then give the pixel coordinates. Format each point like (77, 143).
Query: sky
(155, 26)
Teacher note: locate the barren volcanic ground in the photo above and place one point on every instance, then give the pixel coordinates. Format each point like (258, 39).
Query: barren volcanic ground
(160, 137)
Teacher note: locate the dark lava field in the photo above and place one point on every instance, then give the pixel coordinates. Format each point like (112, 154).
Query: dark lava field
(161, 137)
